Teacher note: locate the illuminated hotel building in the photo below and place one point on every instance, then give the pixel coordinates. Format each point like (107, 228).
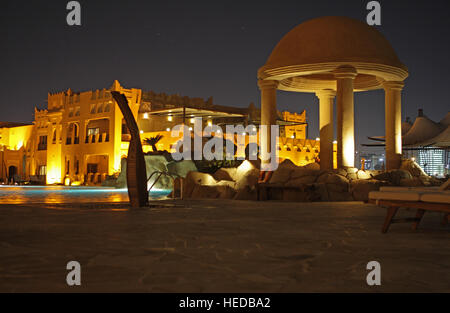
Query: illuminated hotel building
(81, 137)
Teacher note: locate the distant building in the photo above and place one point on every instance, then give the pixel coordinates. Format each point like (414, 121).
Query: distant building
(427, 142)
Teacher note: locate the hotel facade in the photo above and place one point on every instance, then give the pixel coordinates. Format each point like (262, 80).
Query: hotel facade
(81, 137)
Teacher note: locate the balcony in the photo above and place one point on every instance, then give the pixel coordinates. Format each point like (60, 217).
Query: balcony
(98, 138)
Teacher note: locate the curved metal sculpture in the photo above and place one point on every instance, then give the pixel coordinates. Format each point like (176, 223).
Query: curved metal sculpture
(136, 169)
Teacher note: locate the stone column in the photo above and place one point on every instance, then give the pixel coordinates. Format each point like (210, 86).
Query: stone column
(326, 100)
(345, 77)
(268, 112)
(393, 121)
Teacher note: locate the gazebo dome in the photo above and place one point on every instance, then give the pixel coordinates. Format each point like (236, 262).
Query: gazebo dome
(333, 39)
(313, 49)
(333, 57)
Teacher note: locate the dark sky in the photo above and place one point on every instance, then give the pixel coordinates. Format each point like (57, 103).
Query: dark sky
(205, 48)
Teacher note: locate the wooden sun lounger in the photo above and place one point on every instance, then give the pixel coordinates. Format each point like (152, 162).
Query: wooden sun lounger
(422, 199)
(422, 207)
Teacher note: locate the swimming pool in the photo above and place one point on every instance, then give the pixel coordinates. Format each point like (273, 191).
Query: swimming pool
(63, 194)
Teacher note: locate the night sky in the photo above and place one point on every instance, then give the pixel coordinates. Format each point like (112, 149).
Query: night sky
(206, 48)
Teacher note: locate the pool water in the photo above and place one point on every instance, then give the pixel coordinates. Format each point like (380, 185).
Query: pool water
(63, 194)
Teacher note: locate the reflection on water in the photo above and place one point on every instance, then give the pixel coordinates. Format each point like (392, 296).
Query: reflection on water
(63, 194)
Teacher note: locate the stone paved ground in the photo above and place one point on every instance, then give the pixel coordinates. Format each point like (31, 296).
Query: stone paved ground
(219, 246)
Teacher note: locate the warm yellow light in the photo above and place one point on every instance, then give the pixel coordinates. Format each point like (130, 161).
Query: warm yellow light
(190, 128)
(192, 121)
(170, 118)
(317, 139)
(146, 115)
(245, 166)
(67, 181)
(141, 131)
(413, 159)
(335, 142)
(209, 123)
(168, 129)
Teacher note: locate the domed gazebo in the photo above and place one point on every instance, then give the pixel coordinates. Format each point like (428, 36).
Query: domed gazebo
(335, 57)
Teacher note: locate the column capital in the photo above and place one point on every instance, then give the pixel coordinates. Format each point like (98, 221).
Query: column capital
(345, 71)
(328, 93)
(393, 85)
(267, 84)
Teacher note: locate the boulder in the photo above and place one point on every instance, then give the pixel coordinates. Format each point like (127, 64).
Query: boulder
(373, 173)
(312, 166)
(212, 192)
(341, 171)
(281, 175)
(302, 171)
(414, 182)
(225, 174)
(249, 179)
(363, 175)
(245, 167)
(226, 192)
(195, 179)
(153, 163)
(334, 182)
(181, 168)
(394, 176)
(412, 167)
(429, 181)
(287, 164)
(204, 192)
(319, 192)
(360, 189)
(246, 193)
(295, 195)
(299, 182)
